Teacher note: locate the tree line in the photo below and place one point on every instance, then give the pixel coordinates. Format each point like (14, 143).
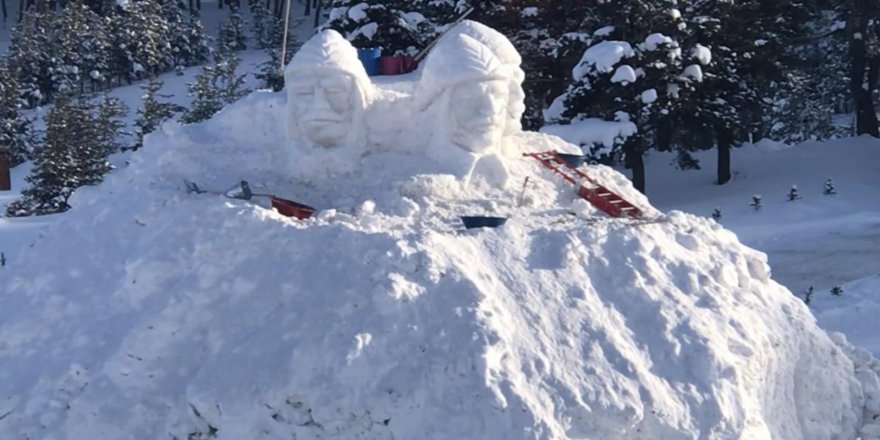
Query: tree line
(705, 73)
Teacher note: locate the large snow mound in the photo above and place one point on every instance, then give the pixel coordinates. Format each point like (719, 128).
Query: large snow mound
(150, 313)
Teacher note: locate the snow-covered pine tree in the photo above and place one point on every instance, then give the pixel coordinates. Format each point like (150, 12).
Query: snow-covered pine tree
(214, 87)
(262, 24)
(195, 51)
(232, 35)
(103, 135)
(81, 52)
(56, 173)
(634, 70)
(393, 25)
(828, 188)
(79, 138)
(550, 36)
(31, 56)
(152, 112)
(16, 135)
(270, 73)
(756, 202)
(145, 36)
(186, 35)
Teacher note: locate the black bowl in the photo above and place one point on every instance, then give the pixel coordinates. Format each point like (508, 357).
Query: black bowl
(471, 222)
(573, 160)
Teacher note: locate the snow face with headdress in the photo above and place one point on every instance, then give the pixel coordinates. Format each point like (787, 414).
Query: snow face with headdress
(327, 93)
(510, 59)
(464, 92)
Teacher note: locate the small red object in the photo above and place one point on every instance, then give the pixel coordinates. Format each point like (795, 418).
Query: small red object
(290, 208)
(390, 65)
(595, 193)
(396, 64)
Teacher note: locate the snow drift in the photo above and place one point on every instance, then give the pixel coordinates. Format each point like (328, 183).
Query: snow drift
(149, 313)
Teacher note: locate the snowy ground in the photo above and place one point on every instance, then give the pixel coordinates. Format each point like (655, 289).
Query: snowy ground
(820, 241)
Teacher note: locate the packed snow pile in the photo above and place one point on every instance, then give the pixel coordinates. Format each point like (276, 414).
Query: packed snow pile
(148, 312)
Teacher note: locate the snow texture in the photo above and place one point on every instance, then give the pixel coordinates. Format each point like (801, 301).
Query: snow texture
(602, 58)
(703, 54)
(694, 72)
(593, 132)
(357, 12)
(649, 96)
(624, 74)
(653, 41)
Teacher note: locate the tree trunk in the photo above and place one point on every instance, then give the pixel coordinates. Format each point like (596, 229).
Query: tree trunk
(725, 143)
(5, 13)
(318, 5)
(21, 5)
(308, 10)
(863, 70)
(634, 159)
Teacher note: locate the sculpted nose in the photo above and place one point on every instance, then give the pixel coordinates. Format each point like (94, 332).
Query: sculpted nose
(320, 100)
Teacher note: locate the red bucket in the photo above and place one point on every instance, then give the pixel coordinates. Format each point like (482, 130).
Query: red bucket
(397, 64)
(390, 65)
(290, 208)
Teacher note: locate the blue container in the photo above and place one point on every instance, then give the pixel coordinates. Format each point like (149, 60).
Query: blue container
(573, 160)
(483, 222)
(370, 59)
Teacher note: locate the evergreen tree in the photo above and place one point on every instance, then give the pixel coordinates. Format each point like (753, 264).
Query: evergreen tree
(394, 25)
(58, 168)
(187, 37)
(215, 86)
(82, 48)
(634, 70)
(271, 73)
(756, 202)
(79, 138)
(232, 36)
(145, 37)
(262, 26)
(153, 112)
(31, 56)
(16, 134)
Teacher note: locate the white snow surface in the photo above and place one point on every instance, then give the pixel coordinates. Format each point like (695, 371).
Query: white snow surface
(602, 57)
(649, 96)
(703, 54)
(624, 73)
(146, 312)
(593, 131)
(694, 72)
(653, 41)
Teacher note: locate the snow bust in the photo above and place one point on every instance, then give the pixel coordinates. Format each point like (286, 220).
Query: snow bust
(465, 94)
(510, 59)
(327, 93)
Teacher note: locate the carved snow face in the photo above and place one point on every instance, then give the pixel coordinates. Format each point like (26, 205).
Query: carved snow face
(478, 112)
(323, 107)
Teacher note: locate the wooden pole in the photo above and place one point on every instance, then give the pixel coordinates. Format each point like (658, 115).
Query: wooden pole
(284, 41)
(5, 175)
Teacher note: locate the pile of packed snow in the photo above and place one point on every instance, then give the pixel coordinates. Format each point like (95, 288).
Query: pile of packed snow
(148, 312)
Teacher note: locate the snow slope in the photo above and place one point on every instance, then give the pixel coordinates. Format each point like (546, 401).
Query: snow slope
(146, 312)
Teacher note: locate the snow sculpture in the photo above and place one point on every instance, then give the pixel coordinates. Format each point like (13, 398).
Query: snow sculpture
(327, 93)
(510, 59)
(465, 92)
